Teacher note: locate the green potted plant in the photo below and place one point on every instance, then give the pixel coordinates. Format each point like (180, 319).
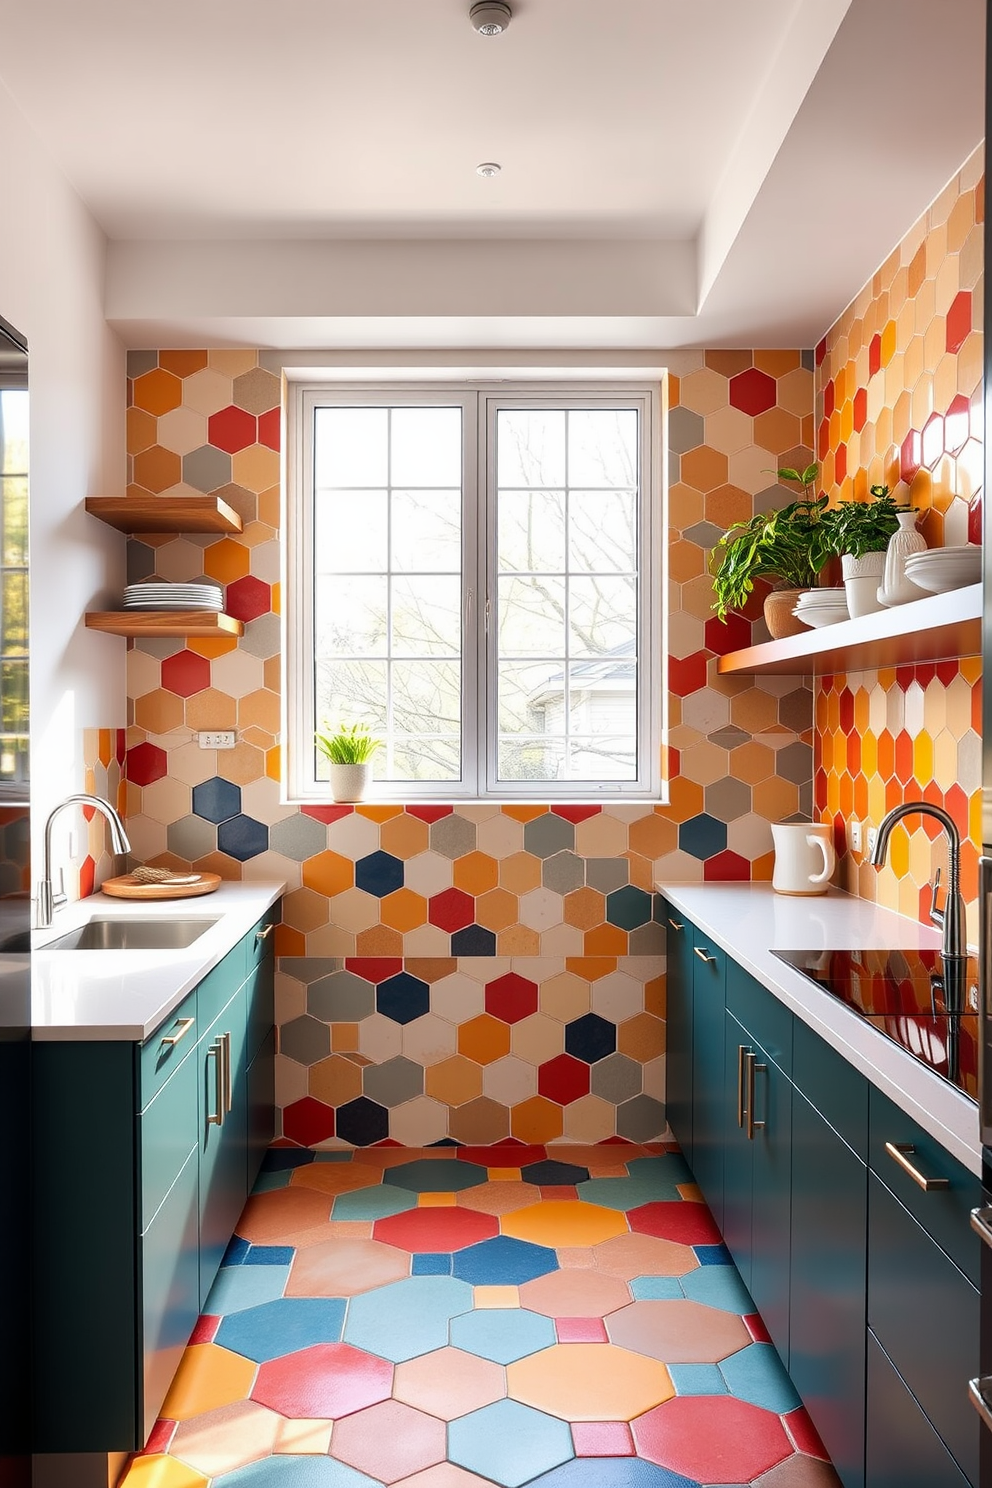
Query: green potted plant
(349, 751)
(859, 533)
(789, 546)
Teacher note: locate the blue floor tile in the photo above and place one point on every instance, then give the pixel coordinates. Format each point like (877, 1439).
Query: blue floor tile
(509, 1443)
(757, 1374)
(502, 1334)
(373, 1203)
(282, 1327)
(718, 1286)
(657, 1289)
(666, 1167)
(268, 1255)
(612, 1472)
(504, 1262)
(432, 1264)
(697, 1379)
(406, 1318)
(296, 1472)
(268, 1182)
(237, 1252)
(238, 1287)
(712, 1255)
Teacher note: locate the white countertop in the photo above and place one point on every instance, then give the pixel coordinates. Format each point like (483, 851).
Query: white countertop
(99, 995)
(748, 921)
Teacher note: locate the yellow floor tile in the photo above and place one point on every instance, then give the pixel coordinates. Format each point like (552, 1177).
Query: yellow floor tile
(208, 1377)
(564, 1222)
(496, 1296)
(437, 1200)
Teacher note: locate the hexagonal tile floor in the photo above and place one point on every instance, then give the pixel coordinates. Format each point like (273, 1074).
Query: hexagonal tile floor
(468, 1316)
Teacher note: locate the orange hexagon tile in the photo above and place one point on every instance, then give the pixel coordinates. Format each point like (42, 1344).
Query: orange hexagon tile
(207, 1377)
(328, 873)
(226, 560)
(565, 1222)
(157, 1471)
(157, 391)
(589, 1382)
(484, 1039)
(403, 910)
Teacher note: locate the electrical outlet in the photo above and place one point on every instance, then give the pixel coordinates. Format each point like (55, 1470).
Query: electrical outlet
(854, 835)
(216, 739)
(872, 838)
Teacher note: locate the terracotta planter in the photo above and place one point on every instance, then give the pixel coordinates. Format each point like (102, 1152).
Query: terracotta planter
(779, 618)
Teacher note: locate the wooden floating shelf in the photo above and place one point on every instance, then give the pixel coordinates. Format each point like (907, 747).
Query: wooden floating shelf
(164, 623)
(165, 513)
(935, 628)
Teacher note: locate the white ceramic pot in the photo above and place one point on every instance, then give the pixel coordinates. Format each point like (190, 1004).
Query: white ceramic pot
(349, 782)
(862, 577)
(804, 857)
(896, 588)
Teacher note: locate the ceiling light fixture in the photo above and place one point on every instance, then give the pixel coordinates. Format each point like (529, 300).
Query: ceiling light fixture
(488, 168)
(490, 17)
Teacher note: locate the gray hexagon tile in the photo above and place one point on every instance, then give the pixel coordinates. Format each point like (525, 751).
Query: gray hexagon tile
(298, 837)
(563, 872)
(342, 997)
(206, 468)
(305, 1039)
(549, 834)
(394, 1082)
(453, 836)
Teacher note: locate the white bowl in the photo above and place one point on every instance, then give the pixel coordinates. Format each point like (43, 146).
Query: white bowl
(941, 569)
(820, 615)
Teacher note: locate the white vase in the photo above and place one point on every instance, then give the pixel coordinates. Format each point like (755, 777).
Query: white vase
(349, 782)
(861, 581)
(896, 588)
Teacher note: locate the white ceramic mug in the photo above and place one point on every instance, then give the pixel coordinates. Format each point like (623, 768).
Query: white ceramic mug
(804, 857)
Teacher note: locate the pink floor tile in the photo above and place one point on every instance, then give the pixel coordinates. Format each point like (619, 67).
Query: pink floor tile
(389, 1441)
(602, 1439)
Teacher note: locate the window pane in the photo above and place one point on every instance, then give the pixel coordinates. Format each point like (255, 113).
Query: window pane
(427, 531)
(602, 531)
(531, 759)
(348, 692)
(531, 617)
(602, 758)
(351, 447)
(602, 697)
(426, 697)
(426, 616)
(350, 616)
(602, 447)
(531, 531)
(530, 447)
(603, 616)
(350, 531)
(532, 698)
(426, 447)
(429, 757)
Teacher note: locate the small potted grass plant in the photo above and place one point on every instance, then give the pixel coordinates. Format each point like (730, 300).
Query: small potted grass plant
(349, 751)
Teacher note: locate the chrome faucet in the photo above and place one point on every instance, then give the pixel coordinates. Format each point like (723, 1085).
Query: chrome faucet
(50, 899)
(951, 919)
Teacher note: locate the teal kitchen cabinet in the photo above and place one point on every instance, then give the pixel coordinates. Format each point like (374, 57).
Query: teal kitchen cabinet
(709, 974)
(902, 1450)
(142, 1166)
(758, 1145)
(828, 1248)
(678, 1044)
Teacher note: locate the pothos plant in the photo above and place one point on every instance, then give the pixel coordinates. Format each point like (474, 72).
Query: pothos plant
(860, 527)
(790, 545)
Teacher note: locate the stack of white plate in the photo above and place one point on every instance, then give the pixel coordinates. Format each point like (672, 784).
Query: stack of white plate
(940, 569)
(818, 607)
(158, 596)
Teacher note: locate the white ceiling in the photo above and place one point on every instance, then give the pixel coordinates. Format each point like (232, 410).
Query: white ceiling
(675, 172)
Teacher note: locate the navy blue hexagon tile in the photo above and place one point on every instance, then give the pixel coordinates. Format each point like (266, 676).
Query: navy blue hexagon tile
(362, 1122)
(242, 837)
(216, 800)
(379, 873)
(403, 997)
(590, 1038)
(703, 836)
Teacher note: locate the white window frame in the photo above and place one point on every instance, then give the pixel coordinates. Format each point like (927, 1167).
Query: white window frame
(480, 403)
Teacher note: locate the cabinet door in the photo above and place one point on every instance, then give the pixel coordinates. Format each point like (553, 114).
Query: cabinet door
(678, 1047)
(770, 1097)
(738, 1177)
(170, 1290)
(709, 967)
(925, 1314)
(902, 1450)
(828, 1280)
(223, 1135)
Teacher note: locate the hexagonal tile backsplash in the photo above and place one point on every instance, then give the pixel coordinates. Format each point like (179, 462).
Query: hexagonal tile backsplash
(479, 972)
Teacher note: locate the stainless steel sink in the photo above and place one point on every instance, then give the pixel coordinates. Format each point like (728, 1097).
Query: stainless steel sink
(131, 935)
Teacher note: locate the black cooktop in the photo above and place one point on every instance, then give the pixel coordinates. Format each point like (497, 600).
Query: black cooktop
(909, 997)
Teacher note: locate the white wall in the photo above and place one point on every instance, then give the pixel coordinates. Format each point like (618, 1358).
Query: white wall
(52, 262)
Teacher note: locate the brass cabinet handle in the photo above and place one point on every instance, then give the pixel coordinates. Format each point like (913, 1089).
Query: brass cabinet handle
(216, 1053)
(703, 955)
(981, 1223)
(979, 1392)
(675, 924)
(182, 1028)
(901, 1152)
(741, 1053)
(264, 933)
(228, 1077)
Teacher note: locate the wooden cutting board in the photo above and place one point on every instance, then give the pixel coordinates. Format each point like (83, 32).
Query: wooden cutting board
(124, 887)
